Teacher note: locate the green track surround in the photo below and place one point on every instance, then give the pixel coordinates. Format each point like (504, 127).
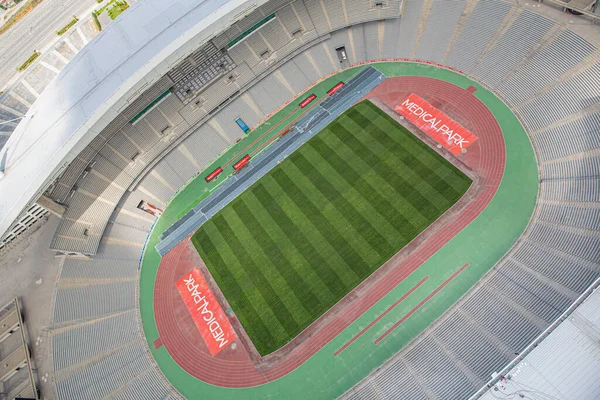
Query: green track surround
(481, 244)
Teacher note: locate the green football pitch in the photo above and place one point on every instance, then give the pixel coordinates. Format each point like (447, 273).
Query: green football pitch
(312, 229)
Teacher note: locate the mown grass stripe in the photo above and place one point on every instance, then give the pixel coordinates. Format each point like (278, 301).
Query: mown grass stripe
(245, 235)
(397, 163)
(409, 141)
(339, 221)
(283, 315)
(236, 297)
(379, 183)
(362, 226)
(296, 236)
(445, 170)
(416, 199)
(307, 268)
(295, 281)
(387, 140)
(259, 306)
(354, 197)
(424, 187)
(352, 259)
(380, 204)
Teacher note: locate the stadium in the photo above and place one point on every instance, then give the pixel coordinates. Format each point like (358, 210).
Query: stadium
(354, 199)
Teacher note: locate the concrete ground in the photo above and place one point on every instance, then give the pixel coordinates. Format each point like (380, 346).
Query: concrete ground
(29, 271)
(36, 32)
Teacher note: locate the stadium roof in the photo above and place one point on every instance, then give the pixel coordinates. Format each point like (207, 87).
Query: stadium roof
(133, 52)
(564, 365)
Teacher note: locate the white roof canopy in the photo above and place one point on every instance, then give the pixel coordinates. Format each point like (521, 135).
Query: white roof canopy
(133, 52)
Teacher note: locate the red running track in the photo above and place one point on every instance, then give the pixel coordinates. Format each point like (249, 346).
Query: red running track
(236, 368)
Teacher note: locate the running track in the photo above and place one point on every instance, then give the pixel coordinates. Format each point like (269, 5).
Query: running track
(235, 368)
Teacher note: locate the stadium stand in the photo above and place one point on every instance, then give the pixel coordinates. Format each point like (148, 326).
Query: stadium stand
(533, 62)
(587, 130)
(565, 347)
(476, 34)
(17, 377)
(564, 99)
(442, 21)
(525, 82)
(522, 37)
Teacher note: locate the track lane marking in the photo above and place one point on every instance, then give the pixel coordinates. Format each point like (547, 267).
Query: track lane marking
(425, 300)
(376, 320)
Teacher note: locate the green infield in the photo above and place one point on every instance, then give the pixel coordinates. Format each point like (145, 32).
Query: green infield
(302, 237)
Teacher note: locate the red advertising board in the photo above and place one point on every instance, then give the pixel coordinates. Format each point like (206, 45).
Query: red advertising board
(213, 174)
(436, 124)
(285, 132)
(241, 163)
(150, 208)
(334, 89)
(307, 100)
(206, 312)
